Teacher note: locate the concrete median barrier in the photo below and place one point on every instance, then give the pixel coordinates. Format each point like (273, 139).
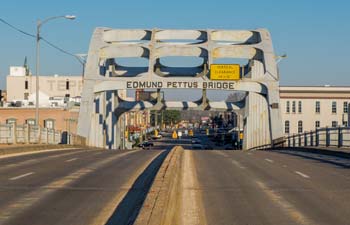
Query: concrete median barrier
(161, 205)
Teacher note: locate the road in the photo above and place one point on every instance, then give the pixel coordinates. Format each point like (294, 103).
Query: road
(260, 188)
(75, 187)
(219, 187)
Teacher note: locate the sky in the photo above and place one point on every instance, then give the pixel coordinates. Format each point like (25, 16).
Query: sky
(314, 34)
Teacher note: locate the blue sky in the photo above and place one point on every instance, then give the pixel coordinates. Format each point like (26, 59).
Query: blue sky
(314, 34)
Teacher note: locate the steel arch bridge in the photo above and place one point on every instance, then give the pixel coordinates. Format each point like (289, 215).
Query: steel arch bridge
(102, 106)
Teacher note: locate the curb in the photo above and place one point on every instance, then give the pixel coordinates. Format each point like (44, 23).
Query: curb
(28, 149)
(161, 204)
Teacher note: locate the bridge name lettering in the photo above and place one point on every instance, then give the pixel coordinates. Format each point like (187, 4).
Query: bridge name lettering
(221, 85)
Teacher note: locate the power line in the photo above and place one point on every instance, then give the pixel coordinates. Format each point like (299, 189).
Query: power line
(17, 29)
(62, 50)
(46, 41)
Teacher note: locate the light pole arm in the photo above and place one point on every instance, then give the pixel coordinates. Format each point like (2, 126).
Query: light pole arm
(40, 23)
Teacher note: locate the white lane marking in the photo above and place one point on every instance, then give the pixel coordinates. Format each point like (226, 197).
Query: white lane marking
(269, 160)
(249, 153)
(286, 206)
(302, 174)
(21, 176)
(70, 160)
(237, 164)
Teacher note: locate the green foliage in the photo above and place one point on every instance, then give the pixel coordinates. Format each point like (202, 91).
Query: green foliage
(171, 117)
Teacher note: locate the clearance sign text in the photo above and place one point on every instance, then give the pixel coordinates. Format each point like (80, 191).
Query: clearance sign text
(225, 72)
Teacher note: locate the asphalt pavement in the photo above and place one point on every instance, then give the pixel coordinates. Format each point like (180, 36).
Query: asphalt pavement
(261, 188)
(220, 187)
(69, 187)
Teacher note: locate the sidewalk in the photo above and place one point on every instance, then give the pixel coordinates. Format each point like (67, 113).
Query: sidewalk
(333, 151)
(15, 149)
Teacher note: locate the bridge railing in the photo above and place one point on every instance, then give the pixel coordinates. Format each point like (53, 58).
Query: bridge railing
(322, 137)
(28, 134)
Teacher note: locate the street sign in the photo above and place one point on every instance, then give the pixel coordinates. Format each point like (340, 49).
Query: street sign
(225, 72)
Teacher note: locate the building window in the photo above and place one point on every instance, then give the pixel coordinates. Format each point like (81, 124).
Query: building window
(26, 96)
(334, 123)
(11, 121)
(345, 123)
(49, 123)
(293, 106)
(334, 107)
(26, 85)
(346, 107)
(67, 85)
(286, 127)
(300, 126)
(287, 107)
(299, 107)
(318, 107)
(317, 124)
(30, 121)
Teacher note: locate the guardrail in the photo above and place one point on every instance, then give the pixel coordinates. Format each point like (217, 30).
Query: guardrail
(323, 137)
(28, 134)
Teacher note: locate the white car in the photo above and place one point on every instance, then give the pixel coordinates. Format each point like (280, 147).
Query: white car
(157, 136)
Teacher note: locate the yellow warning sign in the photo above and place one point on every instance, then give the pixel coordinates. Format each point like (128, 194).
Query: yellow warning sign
(174, 136)
(225, 72)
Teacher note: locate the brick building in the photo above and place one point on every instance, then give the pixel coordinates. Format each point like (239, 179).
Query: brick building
(56, 118)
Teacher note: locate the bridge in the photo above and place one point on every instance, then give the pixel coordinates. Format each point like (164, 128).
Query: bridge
(105, 77)
(305, 182)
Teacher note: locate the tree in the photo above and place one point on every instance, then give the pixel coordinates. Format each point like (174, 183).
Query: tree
(171, 117)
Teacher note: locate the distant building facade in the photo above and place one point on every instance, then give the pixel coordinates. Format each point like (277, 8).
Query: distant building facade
(52, 118)
(304, 108)
(21, 86)
(307, 108)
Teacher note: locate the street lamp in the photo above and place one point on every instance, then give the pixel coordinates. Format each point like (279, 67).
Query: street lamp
(279, 58)
(82, 60)
(38, 26)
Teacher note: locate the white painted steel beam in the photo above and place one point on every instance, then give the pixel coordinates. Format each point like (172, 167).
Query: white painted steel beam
(103, 76)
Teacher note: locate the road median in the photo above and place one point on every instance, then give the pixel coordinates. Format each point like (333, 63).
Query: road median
(161, 205)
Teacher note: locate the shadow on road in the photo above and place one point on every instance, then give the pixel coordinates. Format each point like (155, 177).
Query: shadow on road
(129, 208)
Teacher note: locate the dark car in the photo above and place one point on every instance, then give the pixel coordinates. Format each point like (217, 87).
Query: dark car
(196, 141)
(146, 144)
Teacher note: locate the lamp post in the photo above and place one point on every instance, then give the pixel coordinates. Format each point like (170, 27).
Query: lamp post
(82, 60)
(279, 58)
(37, 66)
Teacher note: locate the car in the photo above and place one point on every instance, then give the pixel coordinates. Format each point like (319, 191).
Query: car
(157, 136)
(197, 147)
(195, 141)
(163, 133)
(146, 144)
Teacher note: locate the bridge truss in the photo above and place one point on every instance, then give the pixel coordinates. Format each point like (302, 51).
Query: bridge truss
(105, 78)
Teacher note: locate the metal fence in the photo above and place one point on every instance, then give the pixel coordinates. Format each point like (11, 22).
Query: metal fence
(28, 134)
(323, 137)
